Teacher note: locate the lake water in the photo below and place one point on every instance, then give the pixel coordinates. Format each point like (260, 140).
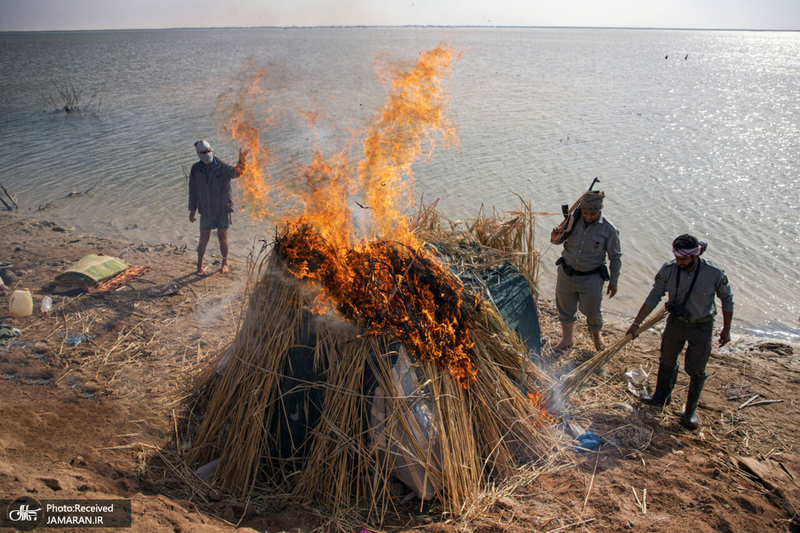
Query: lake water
(688, 131)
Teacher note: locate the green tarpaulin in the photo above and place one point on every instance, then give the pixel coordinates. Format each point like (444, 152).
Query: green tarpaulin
(91, 270)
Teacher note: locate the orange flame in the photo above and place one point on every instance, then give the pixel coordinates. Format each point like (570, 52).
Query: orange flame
(387, 287)
(407, 128)
(239, 110)
(404, 130)
(384, 283)
(543, 418)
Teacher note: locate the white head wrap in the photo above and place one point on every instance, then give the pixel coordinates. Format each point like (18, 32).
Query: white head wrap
(204, 151)
(686, 252)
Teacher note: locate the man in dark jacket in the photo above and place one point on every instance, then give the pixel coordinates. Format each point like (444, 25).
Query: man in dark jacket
(691, 284)
(210, 193)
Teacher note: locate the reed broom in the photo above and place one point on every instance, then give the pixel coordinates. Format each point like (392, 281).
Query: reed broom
(559, 392)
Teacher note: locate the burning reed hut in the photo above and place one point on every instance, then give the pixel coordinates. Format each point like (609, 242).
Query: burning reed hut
(359, 364)
(414, 377)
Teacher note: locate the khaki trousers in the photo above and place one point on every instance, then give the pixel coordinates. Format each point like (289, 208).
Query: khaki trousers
(580, 292)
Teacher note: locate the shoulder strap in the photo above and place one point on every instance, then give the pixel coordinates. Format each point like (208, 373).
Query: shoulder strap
(694, 280)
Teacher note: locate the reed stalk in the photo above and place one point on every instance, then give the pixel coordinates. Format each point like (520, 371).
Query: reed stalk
(370, 429)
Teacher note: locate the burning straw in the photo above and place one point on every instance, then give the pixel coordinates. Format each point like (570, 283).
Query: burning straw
(361, 362)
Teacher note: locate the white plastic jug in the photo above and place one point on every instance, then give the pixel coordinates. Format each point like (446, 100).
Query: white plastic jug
(21, 303)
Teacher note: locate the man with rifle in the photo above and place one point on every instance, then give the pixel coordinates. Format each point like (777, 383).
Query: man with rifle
(691, 284)
(588, 237)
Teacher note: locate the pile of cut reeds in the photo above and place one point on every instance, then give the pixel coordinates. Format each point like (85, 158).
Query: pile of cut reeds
(487, 240)
(472, 437)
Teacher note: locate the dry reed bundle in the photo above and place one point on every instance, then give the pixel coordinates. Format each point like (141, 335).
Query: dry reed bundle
(369, 399)
(482, 243)
(559, 392)
(500, 238)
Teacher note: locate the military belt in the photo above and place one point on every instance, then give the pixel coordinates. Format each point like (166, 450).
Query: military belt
(682, 320)
(569, 271)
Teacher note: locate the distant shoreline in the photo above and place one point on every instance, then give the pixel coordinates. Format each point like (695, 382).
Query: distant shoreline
(615, 319)
(644, 28)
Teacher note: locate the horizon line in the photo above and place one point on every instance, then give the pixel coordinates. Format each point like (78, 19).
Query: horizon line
(342, 26)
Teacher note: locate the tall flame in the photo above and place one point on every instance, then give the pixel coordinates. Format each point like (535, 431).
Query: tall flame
(239, 109)
(384, 282)
(405, 129)
(408, 127)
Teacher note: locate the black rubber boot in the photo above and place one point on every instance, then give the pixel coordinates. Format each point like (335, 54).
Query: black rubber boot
(666, 382)
(689, 418)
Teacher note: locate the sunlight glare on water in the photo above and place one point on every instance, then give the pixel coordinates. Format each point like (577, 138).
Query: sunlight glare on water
(688, 131)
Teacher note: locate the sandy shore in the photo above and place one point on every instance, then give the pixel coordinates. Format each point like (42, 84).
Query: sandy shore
(95, 418)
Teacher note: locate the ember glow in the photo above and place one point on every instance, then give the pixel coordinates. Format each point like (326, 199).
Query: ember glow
(383, 281)
(386, 287)
(545, 418)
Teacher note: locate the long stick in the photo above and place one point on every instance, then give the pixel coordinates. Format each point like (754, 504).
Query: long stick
(570, 526)
(10, 196)
(762, 402)
(591, 483)
(748, 401)
(638, 501)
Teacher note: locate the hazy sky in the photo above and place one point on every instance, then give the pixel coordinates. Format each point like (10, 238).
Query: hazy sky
(20, 15)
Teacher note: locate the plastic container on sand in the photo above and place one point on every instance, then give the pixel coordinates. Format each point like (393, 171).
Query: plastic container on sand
(47, 304)
(20, 303)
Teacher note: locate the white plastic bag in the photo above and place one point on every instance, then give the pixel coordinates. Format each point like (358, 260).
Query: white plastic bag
(637, 383)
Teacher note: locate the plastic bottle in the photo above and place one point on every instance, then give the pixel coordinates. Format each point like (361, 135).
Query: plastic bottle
(21, 303)
(47, 304)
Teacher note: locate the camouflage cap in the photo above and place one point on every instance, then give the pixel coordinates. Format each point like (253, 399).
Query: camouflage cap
(592, 201)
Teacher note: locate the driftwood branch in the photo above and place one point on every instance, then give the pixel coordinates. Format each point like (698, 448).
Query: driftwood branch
(10, 197)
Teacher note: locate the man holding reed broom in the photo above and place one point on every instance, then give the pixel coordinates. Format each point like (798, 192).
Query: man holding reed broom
(582, 268)
(210, 193)
(691, 283)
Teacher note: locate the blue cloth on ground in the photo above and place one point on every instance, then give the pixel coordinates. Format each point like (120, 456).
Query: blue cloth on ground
(587, 442)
